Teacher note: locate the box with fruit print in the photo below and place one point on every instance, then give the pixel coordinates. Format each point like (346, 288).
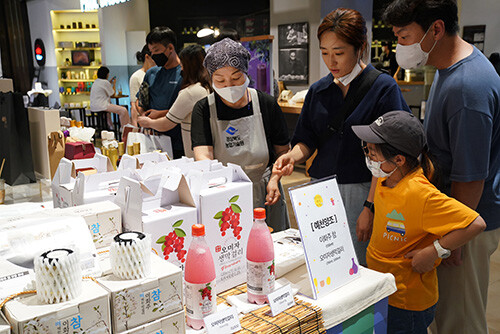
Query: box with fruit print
(167, 217)
(87, 313)
(173, 324)
(140, 301)
(225, 207)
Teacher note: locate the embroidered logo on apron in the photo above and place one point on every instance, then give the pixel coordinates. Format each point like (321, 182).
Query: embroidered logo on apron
(233, 140)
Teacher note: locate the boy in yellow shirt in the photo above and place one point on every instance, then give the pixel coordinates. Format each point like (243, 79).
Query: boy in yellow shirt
(415, 225)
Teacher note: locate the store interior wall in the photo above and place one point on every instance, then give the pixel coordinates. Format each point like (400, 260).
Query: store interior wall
(486, 12)
(295, 11)
(41, 27)
(114, 22)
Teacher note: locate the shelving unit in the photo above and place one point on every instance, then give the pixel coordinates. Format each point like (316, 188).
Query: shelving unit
(79, 88)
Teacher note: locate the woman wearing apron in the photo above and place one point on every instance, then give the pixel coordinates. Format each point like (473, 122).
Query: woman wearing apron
(241, 125)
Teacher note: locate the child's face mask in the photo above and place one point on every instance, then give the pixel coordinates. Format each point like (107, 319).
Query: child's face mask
(374, 167)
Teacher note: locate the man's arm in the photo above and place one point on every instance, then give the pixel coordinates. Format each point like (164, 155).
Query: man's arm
(468, 193)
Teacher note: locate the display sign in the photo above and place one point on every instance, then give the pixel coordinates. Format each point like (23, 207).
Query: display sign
(223, 322)
(329, 252)
(281, 299)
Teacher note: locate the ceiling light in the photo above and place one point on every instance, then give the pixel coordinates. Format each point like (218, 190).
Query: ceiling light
(204, 32)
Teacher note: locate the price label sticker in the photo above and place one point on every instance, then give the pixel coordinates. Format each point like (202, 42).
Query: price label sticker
(281, 299)
(223, 322)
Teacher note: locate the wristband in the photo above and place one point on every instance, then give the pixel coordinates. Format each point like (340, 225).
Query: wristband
(370, 206)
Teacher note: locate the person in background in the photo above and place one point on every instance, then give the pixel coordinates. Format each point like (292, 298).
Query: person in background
(241, 125)
(143, 57)
(495, 61)
(415, 225)
(388, 59)
(228, 33)
(462, 124)
(195, 86)
(164, 81)
(100, 97)
(342, 38)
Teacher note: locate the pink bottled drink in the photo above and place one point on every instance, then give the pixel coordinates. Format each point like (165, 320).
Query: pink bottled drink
(199, 275)
(260, 260)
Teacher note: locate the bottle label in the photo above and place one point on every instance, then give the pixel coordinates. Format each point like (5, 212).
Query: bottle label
(200, 300)
(260, 277)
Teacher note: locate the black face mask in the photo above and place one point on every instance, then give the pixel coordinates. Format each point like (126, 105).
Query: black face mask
(160, 59)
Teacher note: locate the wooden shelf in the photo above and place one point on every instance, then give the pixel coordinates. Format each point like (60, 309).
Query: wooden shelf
(76, 80)
(76, 49)
(76, 30)
(80, 93)
(77, 67)
(72, 11)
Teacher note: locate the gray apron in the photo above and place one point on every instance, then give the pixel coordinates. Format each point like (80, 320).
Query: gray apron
(243, 141)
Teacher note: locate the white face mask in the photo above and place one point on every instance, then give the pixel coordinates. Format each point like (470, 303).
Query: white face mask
(374, 167)
(412, 56)
(346, 79)
(234, 93)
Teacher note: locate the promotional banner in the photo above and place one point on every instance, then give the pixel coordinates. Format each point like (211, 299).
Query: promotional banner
(329, 252)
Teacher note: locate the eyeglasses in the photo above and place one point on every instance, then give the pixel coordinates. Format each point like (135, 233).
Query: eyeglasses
(365, 149)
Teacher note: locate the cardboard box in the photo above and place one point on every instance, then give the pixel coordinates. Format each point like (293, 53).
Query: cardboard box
(137, 302)
(173, 324)
(6, 85)
(169, 214)
(22, 238)
(5, 326)
(214, 192)
(42, 123)
(70, 189)
(88, 313)
(104, 220)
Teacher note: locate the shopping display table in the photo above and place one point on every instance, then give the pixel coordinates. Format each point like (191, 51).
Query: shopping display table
(355, 307)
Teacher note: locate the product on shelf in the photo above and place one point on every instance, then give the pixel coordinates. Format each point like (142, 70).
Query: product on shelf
(58, 276)
(199, 275)
(260, 260)
(130, 255)
(140, 301)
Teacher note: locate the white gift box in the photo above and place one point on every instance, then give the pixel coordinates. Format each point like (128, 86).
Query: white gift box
(22, 238)
(214, 192)
(70, 189)
(88, 313)
(169, 214)
(173, 324)
(140, 301)
(4, 325)
(103, 219)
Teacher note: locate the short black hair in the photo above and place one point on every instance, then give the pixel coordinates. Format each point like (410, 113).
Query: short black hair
(400, 13)
(102, 72)
(163, 35)
(141, 55)
(230, 33)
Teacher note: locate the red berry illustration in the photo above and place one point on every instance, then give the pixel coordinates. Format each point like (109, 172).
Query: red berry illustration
(174, 242)
(230, 218)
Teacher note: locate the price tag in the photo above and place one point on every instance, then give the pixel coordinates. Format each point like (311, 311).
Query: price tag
(280, 300)
(226, 321)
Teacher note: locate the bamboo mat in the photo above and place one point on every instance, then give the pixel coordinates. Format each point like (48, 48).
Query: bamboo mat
(302, 318)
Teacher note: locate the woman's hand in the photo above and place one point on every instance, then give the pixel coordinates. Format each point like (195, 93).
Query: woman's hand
(423, 259)
(154, 114)
(144, 121)
(364, 225)
(273, 191)
(284, 165)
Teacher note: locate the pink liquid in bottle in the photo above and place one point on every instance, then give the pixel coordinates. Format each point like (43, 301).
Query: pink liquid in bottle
(260, 260)
(199, 275)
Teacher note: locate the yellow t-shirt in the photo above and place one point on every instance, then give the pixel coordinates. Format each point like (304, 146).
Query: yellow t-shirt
(411, 216)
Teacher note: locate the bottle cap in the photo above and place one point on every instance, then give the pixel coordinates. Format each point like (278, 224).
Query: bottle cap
(259, 213)
(198, 230)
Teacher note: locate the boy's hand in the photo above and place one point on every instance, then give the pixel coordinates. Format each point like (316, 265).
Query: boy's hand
(423, 259)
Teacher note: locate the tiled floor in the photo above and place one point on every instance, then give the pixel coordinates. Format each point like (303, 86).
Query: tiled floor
(493, 309)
